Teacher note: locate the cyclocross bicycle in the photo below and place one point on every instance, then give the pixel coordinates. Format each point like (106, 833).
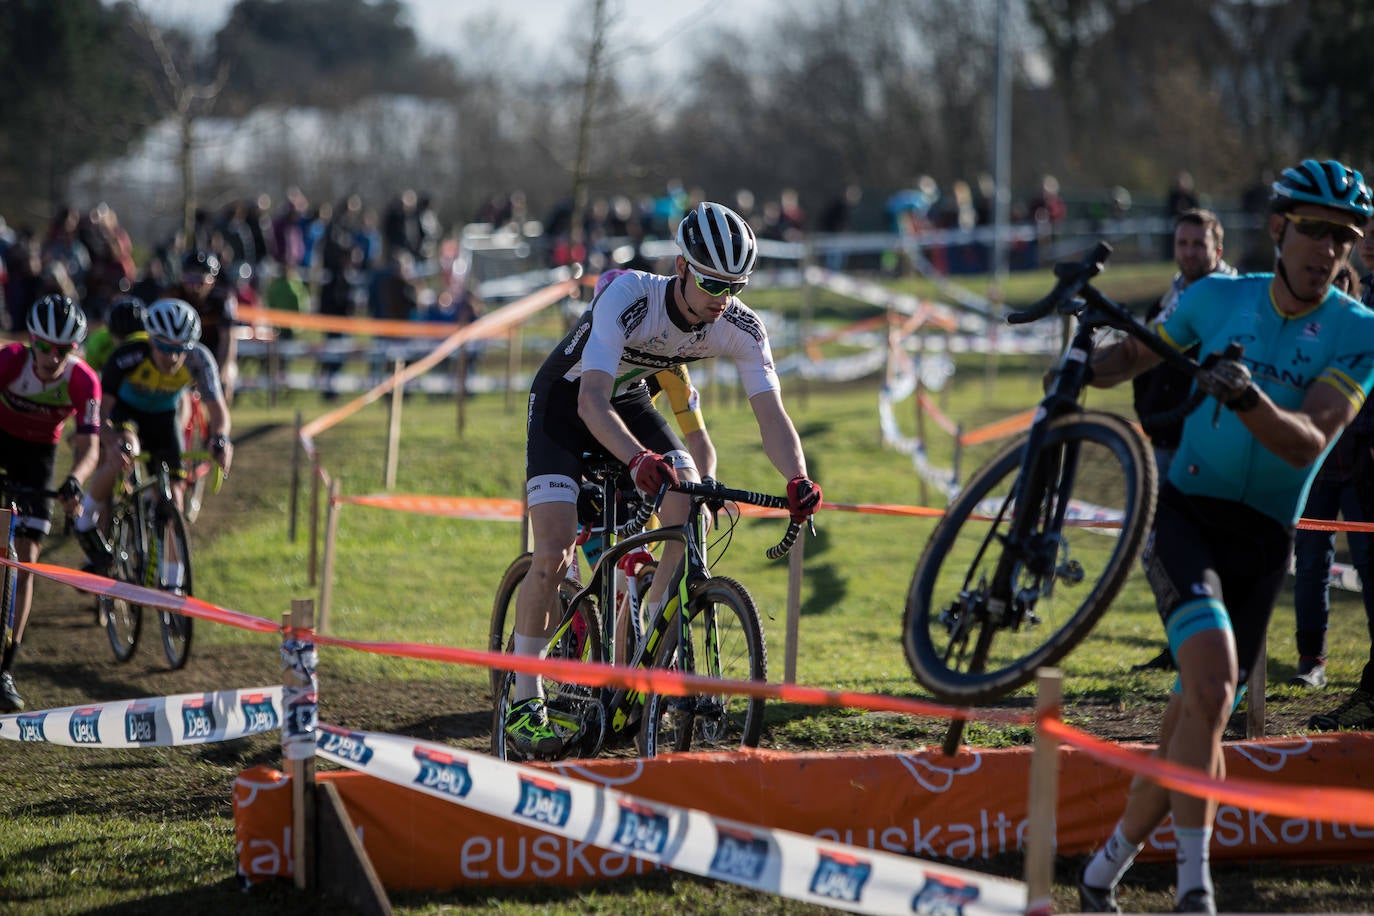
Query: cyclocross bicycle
(1040, 540)
(10, 492)
(720, 635)
(148, 536)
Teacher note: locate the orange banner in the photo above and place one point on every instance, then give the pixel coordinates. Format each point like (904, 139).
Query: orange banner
(969, 807)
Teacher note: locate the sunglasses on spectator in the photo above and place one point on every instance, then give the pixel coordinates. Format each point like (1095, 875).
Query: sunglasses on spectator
(48, 348)
(172, 349)
(1314, 227)
(714, 287)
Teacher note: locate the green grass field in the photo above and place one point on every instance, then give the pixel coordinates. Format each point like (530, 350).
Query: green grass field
(150, 831)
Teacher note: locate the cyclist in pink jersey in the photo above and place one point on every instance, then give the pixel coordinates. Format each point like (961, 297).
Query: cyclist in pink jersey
(41, 386)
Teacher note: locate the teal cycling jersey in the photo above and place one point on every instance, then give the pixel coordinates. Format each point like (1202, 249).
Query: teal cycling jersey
(1330, 344)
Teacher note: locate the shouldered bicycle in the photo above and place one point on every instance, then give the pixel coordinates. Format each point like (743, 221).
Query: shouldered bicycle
(1038, 543)
(148, 536)
(719, 635)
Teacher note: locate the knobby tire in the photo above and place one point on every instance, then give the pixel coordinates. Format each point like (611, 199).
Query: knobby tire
(1095, 460)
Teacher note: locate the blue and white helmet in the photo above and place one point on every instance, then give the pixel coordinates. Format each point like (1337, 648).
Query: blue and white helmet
(1329, 184)
(717, 241)
(58, 320)
(174, 321)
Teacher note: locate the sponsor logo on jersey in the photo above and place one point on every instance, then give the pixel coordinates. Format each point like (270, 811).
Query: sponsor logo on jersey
(259, 715)
(351, 746)
(543, 802)
(641, 829)
(840, 877)
(943, 896)
(633, 316)
(198, 718)
(746, 321)
(442, 772)
(653, 360)
(84, 725)
(140, 724)
(739, 856)
(579, 332)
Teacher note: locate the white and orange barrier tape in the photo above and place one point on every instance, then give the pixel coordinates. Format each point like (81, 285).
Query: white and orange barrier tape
(779, 862)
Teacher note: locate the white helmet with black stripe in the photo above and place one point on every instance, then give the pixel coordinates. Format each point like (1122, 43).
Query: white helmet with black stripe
(57, 320)
(717, 241)
(173, 321)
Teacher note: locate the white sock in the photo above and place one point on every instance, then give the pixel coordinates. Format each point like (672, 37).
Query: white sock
(1193, 857)
(530, 685)
(1111, 861)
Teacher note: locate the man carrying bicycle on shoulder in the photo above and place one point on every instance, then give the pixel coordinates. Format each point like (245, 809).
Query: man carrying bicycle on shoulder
(142, 382)
(41, 385)
(591, 393)
(1223, 532)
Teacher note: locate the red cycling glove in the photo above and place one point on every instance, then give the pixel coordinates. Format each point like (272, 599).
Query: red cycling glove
(803, 497)
(651, 471)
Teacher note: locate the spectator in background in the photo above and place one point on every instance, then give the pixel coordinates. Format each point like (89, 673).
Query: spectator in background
(427, 230)
(25, 283)
(339, 257)
(1047, 208)
(395, 295)
(1160, 391)
(1342, 487)
(837, 217)
(287, 292)
(63, 246)
(400, 228)
(287, 239)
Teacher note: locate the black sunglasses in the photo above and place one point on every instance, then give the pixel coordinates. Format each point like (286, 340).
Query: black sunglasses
(1314, 227)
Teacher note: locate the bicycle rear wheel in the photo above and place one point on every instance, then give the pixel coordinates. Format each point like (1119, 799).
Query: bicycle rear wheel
(578, 637)
(1094, 467)
(124, 618)
(174, 576)
(501, 630)
(725, 641)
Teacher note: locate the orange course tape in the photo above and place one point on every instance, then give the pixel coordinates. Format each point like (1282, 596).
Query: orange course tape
(1315, 803)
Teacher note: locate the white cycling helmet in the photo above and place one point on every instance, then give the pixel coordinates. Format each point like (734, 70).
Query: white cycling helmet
(57, 320)
(717, 241)
(173, 321)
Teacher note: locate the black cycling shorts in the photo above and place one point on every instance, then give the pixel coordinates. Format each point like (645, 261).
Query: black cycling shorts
(1213, 561)
(557, 438)
(160, 436)
(30, 466)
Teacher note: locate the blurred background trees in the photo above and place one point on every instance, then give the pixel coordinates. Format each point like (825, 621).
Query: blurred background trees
(342, 96)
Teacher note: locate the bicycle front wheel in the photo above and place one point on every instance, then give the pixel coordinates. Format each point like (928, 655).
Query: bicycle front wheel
(123, 618)
(725, 640)
(575, 709)
(1091, 497)
(174, 576)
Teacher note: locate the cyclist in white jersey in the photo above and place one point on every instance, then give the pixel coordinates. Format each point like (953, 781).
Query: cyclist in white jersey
(591, 395)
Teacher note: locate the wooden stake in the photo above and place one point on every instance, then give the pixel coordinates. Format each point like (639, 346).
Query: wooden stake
(331, 538)
(1041, 834)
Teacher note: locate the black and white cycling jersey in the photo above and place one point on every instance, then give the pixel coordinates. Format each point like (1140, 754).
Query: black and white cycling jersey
(630, 333)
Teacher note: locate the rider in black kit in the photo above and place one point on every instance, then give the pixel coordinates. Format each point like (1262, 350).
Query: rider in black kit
(591, 392)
